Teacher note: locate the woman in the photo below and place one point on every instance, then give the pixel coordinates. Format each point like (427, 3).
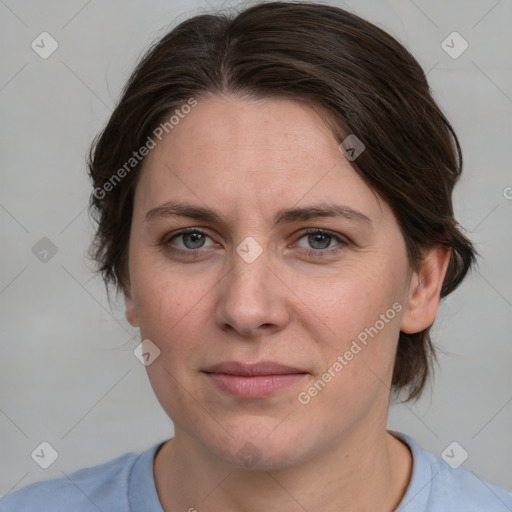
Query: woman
(273, 197)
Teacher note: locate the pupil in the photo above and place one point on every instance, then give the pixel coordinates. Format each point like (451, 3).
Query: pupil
(196, 239)
(318, 238)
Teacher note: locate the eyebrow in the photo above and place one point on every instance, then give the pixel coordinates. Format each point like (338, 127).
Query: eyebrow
(287, 215)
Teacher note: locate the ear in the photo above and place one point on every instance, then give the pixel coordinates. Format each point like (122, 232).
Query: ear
(424, 291)
(130, 310)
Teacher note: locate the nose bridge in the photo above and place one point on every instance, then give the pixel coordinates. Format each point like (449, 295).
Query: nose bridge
(250, 296)
(249, 267)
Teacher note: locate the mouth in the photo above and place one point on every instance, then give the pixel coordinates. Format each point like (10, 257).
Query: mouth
(253, 380)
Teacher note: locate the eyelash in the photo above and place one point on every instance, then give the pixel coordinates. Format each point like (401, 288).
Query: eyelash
(312, 253)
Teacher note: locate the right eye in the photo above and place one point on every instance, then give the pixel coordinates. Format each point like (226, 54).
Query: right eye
(190, 240)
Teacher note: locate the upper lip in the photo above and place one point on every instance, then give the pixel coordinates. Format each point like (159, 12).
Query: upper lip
(252, 369)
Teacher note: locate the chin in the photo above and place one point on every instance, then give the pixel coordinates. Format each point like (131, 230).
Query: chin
(262, 449)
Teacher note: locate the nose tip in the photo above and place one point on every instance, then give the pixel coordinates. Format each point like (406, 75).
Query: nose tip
(252, 300)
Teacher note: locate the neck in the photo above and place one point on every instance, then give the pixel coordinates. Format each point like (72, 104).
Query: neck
(364, 471)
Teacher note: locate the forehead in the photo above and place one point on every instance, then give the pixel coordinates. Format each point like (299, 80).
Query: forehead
(236, 126)
(271, 120)
(250, 152)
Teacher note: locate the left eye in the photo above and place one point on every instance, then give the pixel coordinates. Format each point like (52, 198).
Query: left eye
(319, 239)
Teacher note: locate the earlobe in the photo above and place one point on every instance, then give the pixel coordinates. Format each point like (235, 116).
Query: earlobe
(130, 311)
(424, 291)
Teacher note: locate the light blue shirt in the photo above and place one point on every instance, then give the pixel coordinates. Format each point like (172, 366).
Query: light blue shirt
(126, 484)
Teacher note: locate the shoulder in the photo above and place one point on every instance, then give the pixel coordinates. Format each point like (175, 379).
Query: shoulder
(103, 487)
(436, 486)
(457, 487)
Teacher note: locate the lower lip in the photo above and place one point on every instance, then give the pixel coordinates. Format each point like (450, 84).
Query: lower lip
(255, 386)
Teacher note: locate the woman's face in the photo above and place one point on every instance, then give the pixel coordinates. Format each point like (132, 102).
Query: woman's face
(248, 283)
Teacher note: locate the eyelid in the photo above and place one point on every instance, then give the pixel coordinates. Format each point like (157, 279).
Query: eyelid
(176, 234)
(308, 231)
(341, 239)
(323, 231)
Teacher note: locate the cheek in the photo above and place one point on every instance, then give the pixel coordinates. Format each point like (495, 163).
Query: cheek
(355, 318)
(166, 297)
(351, 299)
(170, 310)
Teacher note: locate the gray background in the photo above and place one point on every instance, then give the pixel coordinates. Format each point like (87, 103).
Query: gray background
(67, 372)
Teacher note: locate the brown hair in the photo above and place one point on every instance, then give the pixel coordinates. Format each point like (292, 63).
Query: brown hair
(361, 78)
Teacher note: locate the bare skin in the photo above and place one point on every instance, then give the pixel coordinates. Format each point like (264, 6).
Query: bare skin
(301, 302)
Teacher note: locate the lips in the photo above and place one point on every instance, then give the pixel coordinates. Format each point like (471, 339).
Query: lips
(253, 369)
(253, 380)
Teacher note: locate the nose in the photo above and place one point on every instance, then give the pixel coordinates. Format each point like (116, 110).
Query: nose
(253, 300)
